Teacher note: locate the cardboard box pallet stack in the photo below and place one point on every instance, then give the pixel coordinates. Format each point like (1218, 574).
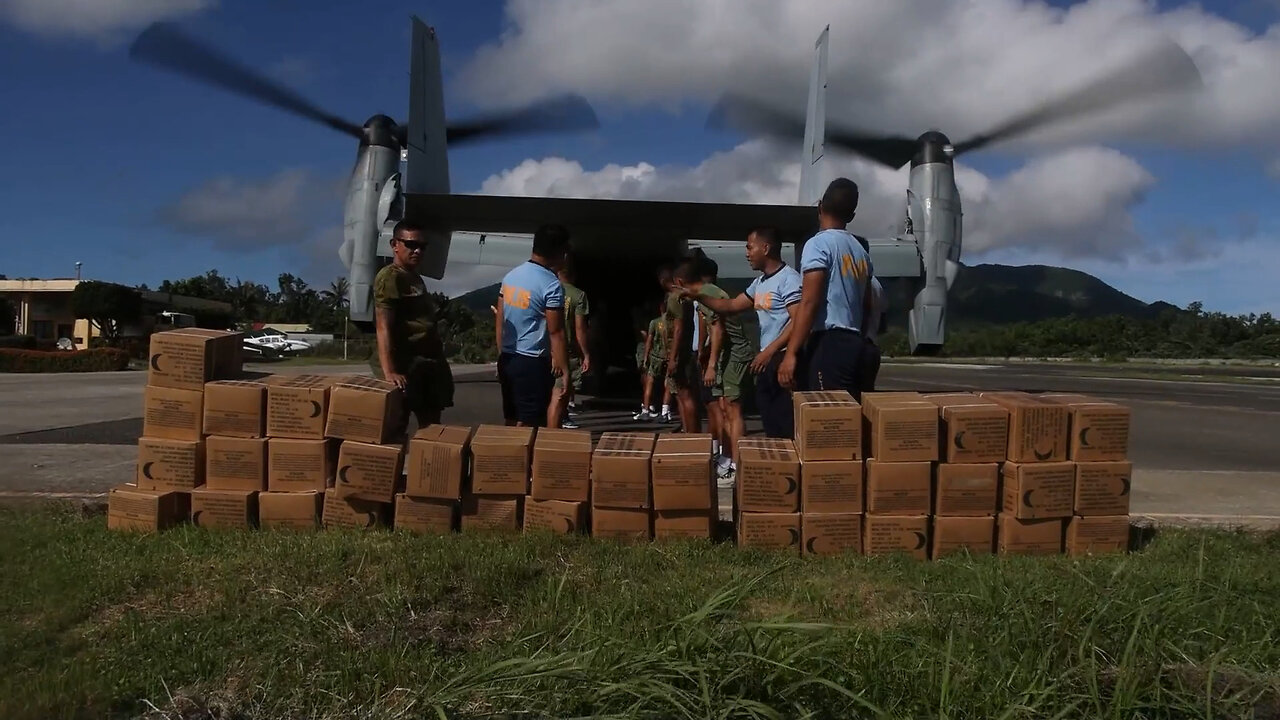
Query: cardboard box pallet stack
(172, 450)
(928, 474)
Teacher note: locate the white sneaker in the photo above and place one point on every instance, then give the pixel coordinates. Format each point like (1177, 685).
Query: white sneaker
(568, 424)
(666, 417)
(726, 480)
(642, 415)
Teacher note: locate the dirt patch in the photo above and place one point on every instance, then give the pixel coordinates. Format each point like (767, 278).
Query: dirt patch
(840, 601)
(190, 600)
(195, 706)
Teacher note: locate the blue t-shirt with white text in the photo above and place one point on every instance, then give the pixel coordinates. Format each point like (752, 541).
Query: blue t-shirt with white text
(528, 292)
(848, 271)
(772, 295)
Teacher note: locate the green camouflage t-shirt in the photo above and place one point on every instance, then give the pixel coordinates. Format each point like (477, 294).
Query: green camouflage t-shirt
(738, 343)
(659, 334)
(414, 329)
(575, 304)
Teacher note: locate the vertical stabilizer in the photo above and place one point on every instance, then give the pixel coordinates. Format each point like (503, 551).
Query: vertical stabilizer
(815, 132)
(427, 156)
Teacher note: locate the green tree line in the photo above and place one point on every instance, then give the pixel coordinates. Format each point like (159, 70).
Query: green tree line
(1189, 333)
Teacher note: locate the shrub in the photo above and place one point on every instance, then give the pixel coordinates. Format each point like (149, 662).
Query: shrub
(19, 342)
(36, 361)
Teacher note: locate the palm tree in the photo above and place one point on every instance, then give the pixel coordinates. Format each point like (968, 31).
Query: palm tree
(335, 298)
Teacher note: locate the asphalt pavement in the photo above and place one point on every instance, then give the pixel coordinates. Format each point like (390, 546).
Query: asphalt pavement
(1201, 450)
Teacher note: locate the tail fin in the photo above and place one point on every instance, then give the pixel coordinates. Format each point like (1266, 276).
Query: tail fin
(427, 155)
(815, 125)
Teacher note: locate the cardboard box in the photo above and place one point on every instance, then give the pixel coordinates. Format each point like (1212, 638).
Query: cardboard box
(1028, 537)
(292, 510)
(1098, 535)
(971, 429)
(681, 473)
(170, 464)
(887, 534)
(1099, 430)
(500, 460)
(899, 488)
(1102, 488)
(235, 463)
(437, 463)
(1038, 490)
(296, 408)
(301, 465)
(365, 410)
(683, 524)
(967, 489)
(1037, 427)
(558, 516)
(492, 512)
(828, 425)
(622, 524)
(235, 408)
(427, 516)
(224, 508)
(188, 358)
(902, 430)
(768, 480)
(831, 486)
(561, 465)
(369, 472)
(340, 512)
(955, 534)
(134, 509)
(831, 533)
(770, 531)
(620, 471)
(172, 414)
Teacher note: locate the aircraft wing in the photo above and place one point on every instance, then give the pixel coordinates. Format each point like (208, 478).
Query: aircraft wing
(625, 220)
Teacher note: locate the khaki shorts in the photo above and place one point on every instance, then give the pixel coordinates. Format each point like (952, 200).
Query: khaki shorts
(732, 379)
(686, 374)
(657, 366)
(575, 374)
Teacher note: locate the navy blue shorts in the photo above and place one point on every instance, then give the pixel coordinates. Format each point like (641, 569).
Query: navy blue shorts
(526, 388)
(774, 402)
(833, 359)
(869, 367)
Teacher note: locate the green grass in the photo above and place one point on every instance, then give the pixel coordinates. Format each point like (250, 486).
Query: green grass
(384, 625)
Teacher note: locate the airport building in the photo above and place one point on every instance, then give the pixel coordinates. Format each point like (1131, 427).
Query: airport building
(42, 308)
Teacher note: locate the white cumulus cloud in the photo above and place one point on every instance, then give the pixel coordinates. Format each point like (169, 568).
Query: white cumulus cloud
(238, 213)
(1072, 203)
(95, 19)
(901, 66)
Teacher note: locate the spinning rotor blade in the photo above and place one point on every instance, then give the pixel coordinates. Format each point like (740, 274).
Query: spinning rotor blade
(752, 117)
(564, 113)
(164, 45)
(1166, 68)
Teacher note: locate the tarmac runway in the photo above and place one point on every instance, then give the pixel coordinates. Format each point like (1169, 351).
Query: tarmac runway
(1202, 451)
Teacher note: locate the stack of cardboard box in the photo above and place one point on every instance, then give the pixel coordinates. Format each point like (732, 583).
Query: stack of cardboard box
(360, 413)
(1098, 444)
(621, 497)
(171, 451)
(767, 494)
(685, 503)
(901, 444)
(973, 441)
(500, 463)
(437, 470)
(829, 447)
(561, 481)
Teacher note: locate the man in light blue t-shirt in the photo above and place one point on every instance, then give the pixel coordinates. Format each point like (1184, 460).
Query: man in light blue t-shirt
(775, 296)
(529, 328)
(834, 300)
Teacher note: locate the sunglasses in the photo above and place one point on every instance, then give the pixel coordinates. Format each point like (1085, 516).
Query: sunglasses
(412, 245)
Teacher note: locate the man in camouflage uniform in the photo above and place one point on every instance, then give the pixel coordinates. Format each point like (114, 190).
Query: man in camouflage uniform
(410, 350)
(576, 310)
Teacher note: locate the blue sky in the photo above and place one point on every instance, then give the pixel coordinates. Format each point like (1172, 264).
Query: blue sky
(107, 158)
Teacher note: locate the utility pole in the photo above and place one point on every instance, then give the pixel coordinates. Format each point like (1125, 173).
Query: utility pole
(345, 322)
(78, 263)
